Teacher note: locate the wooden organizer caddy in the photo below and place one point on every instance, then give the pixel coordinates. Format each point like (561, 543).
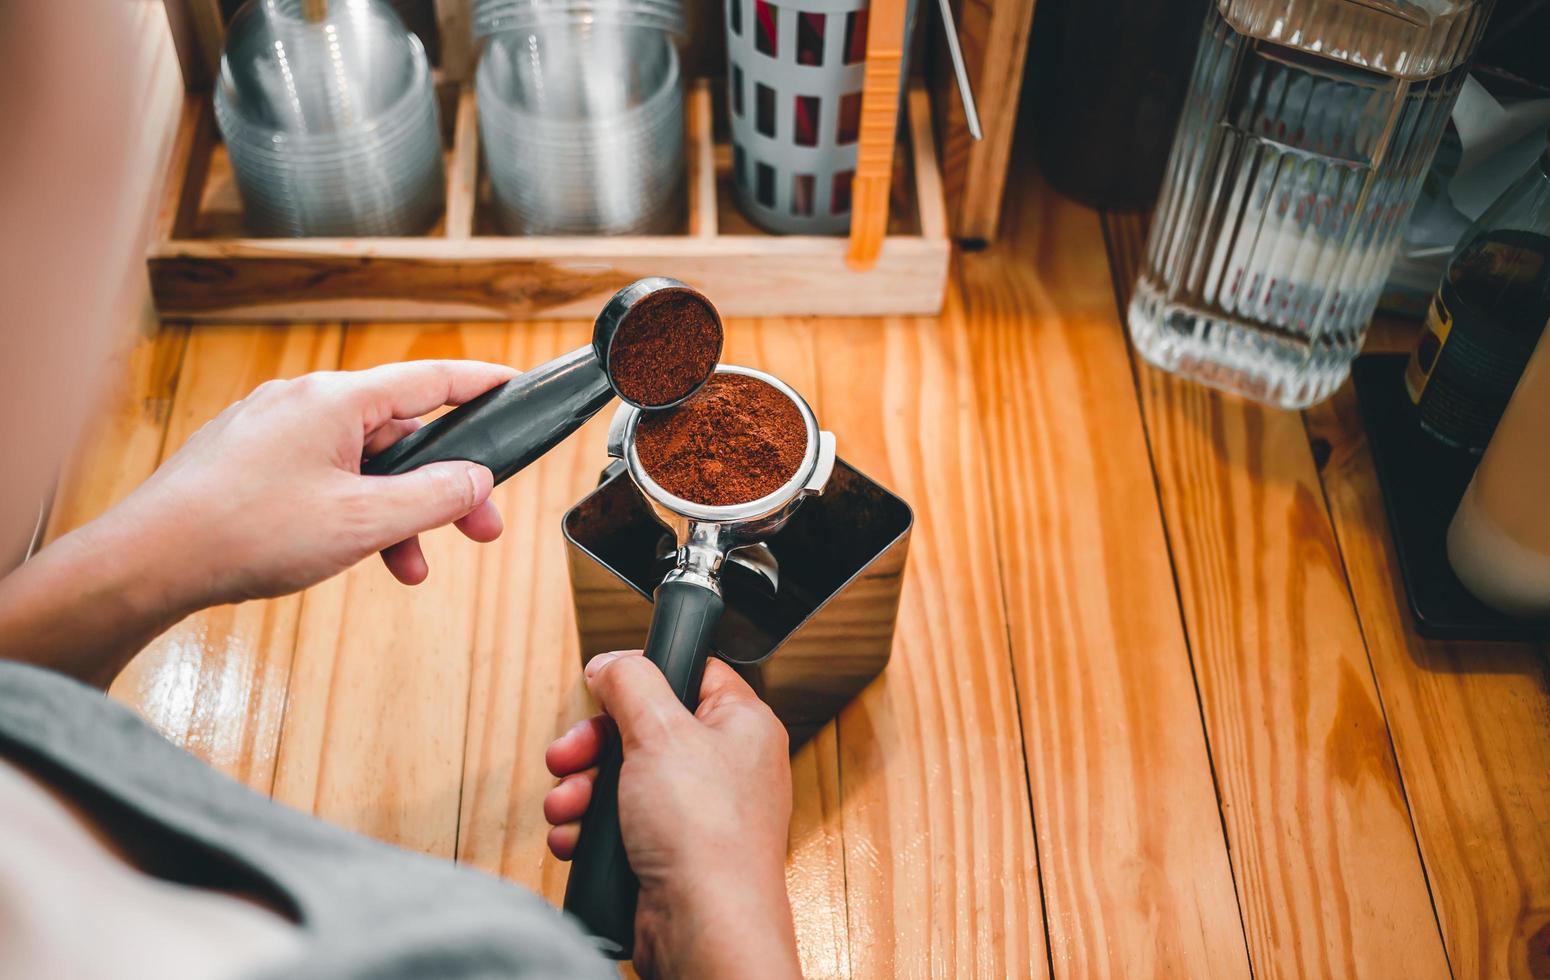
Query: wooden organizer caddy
(203, 267)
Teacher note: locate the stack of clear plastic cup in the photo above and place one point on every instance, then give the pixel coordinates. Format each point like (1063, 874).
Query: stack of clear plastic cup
(582, 124)
(491, 17)
(331, 125)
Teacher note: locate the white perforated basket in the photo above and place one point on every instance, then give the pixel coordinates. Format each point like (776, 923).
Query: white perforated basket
(794, 75)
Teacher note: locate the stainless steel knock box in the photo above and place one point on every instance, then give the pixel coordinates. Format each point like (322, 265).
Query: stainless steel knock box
(810, 610)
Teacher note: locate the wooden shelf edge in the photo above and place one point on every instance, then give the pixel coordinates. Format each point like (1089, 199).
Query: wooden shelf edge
(910, 278)
(498, 248)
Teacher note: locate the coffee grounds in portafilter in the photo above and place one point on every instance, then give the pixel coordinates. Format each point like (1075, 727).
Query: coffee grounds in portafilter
(667, 344)
(737, 440)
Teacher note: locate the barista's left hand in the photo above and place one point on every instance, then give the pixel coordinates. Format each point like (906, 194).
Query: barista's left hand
(268, 498)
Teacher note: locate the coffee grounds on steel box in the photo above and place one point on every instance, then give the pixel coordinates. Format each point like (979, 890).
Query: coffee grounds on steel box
(667, 344)
(737, 440)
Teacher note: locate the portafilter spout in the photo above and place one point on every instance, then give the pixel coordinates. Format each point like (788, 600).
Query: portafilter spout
(687, 607)
(515, 423)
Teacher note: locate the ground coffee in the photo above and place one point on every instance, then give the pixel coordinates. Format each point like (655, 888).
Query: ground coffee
(737, 440)
(668, 343)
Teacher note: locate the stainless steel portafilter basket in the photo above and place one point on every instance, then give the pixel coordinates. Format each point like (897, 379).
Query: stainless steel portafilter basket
(687, 607)
(513, 424)
(330, 124)
(704, 533)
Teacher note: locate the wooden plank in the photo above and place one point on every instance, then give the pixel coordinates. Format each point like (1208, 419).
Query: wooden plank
(815, 858)
(1328, 876)
(526, 672)
(994, 34)
(940, 860)
(815, 862)
(1321, 836)
(1134, 864)
(1471, 730)
(374, 726)
(216, 682)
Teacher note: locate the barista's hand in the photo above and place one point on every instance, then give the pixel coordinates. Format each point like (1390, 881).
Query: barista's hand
(704, 804)
(268, 497)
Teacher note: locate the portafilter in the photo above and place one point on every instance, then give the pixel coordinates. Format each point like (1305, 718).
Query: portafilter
(515, 423)
(687, 607)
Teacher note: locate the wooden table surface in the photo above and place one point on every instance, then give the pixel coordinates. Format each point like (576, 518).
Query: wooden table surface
(1155, 705)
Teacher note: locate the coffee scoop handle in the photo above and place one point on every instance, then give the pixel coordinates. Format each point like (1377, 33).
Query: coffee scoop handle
(602, 889)
(509, 426)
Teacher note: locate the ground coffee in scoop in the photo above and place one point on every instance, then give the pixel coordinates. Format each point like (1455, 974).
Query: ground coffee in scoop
(737, 440)
(667, 344)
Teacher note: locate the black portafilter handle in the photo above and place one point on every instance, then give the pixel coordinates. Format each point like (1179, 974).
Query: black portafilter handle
(602, 889)
(509, 426)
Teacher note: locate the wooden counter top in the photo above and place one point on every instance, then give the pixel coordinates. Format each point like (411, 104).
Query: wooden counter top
(1155, 706)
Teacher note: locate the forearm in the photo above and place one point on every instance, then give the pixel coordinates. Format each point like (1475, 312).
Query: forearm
(91, 600)
(739, 928)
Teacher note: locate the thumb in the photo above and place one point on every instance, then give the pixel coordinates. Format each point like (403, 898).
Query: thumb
(723, 685)
(637, 697)
(435, 494)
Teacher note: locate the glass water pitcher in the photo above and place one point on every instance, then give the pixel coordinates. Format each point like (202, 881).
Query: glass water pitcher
(1306, 133)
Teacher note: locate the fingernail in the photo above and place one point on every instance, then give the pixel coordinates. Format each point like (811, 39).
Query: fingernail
(600, 661)
(481, 482)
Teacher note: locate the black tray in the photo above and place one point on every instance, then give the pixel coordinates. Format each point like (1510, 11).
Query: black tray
(1422, 482)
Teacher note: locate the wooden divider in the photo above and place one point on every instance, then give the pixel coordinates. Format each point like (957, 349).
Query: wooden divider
(1133, 860)
(463, 167)
(940, 862)
(815, 865)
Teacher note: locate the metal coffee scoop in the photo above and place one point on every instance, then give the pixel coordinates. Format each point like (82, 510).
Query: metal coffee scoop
(687, 606)
(510, 426)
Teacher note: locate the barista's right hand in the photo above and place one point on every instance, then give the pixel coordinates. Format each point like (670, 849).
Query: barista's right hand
(704, 806)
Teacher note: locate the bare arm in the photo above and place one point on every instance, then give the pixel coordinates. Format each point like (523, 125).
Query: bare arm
(265, 500)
